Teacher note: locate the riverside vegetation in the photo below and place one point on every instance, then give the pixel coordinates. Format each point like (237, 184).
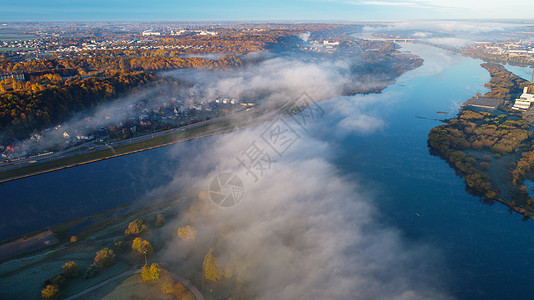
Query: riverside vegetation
(493, 151)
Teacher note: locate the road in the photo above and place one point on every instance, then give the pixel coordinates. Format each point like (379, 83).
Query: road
(91, 146)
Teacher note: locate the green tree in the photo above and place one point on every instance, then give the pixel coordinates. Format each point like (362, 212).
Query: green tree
(104, 258)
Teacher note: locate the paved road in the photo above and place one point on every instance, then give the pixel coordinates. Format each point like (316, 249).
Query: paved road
(176, 277)
(94, 147)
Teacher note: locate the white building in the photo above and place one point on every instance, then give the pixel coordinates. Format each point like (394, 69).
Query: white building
(333, 44)
(149, 32)
(205, 32)
(524, 102)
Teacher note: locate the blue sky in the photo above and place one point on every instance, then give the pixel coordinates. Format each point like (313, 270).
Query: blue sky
(223, 10)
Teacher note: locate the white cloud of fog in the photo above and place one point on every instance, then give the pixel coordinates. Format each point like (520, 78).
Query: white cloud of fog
(303, 231)
(451, 26)
(274, 79)
(305, 36)
(449, 42)
(447, 33)
(283, 78)
(444, 26)
(84, 123)
(362, 123)
(421, 34)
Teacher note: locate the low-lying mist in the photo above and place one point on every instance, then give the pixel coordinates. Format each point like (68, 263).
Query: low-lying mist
(301, 231)
(267, 80)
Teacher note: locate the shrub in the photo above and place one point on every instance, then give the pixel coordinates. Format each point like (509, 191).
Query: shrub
(91, 271)
(119, 245)
(160, 220)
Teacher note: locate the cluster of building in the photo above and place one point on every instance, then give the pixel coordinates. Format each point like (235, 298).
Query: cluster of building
(142, 118)
(509, 49)
(121, 45)
(23, 44)
(197, 32)
(524, 102)
(324, 46)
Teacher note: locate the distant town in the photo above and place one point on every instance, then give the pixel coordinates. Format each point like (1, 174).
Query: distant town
(51, 71)
(519, 52)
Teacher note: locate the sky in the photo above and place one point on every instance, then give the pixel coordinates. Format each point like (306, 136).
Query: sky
(261, 10)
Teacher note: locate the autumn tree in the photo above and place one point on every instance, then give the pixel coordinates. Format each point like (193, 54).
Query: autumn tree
(187, 233)
(169, 286)
(136, 228)
(50, 292)
(143, 247)
(71, 269)
(104, 258)
(151, 273)
(212, 270)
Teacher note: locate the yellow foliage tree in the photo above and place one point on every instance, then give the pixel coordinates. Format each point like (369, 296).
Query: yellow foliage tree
(212, 270)
(135, 228)
(151, 273)
(51, 291)
(167, 284)
(143, 247)
(187, 233)
(104, 258)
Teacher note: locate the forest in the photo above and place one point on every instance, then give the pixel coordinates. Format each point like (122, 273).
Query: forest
(50, 100)
(503, 84)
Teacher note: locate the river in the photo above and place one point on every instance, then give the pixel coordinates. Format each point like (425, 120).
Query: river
(487, 250)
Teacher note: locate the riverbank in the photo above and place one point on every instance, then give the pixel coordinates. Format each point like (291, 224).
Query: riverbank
(201, 130)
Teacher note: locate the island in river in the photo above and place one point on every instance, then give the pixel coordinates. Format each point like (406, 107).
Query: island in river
(491, 145)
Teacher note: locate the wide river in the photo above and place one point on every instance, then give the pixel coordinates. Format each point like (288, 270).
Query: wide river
(488, 251)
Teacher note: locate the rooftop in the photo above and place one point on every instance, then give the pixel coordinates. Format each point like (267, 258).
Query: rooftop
(483, 102)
